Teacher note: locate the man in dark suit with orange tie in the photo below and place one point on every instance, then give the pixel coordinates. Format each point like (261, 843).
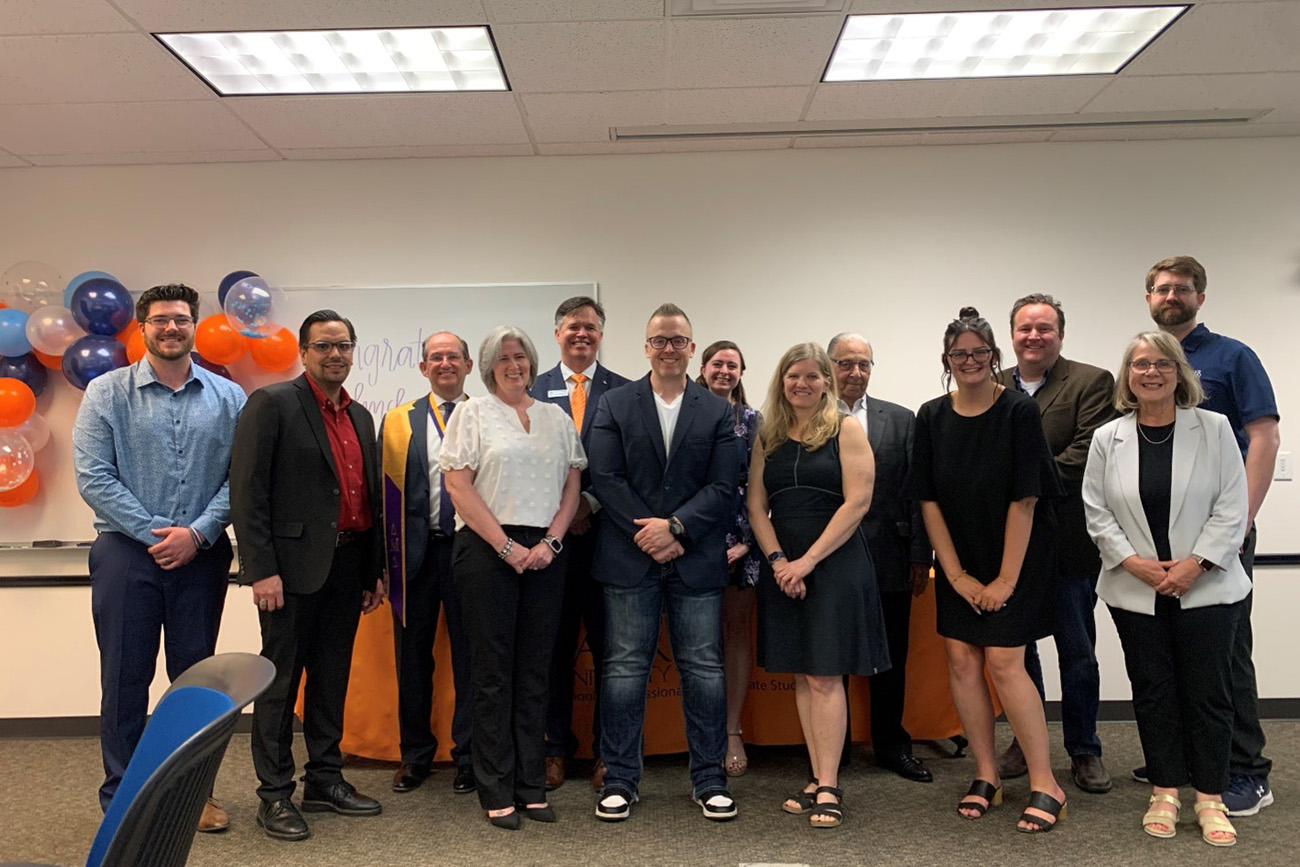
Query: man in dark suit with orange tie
(577, 384)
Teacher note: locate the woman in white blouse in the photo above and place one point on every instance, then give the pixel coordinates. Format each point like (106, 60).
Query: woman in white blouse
(511, 467)
(1165, 494)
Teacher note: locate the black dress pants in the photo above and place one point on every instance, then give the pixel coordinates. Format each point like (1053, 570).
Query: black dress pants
(584, 602)
(511, 621)
(888, 689)
(313, 632)
(1180, 669)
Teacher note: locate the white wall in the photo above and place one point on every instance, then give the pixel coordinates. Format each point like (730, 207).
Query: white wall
(767, 248)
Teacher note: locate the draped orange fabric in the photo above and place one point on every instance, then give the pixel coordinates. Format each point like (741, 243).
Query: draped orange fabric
(370, 718)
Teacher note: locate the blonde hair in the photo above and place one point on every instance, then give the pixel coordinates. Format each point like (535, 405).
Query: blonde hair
(778, 415)
(1187, 393)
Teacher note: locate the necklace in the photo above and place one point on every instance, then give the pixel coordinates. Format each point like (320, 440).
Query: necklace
(1142, 433)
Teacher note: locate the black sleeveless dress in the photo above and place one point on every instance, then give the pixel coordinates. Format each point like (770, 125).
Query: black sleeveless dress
(838, 627)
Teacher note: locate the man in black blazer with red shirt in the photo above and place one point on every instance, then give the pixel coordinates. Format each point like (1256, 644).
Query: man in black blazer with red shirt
(304, 496)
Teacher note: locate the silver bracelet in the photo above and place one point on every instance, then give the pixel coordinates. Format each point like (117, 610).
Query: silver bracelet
(509, 546)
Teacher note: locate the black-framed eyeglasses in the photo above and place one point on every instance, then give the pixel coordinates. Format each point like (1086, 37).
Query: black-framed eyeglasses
(848, 365)
(660, 342)
(1142, 365)
(324, 347)
(161, 322)
(960, 355)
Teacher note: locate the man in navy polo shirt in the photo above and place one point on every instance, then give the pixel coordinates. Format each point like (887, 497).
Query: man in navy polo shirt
(1235, 385)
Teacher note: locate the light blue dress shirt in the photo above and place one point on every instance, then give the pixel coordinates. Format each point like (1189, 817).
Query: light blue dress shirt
(148, 457)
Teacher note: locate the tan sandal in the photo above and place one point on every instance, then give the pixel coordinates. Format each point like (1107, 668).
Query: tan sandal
(737, 763)
(1155, 818)
(1215, 824)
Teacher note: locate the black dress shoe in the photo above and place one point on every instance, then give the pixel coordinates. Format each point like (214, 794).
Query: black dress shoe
(907, 766)
(281, 820)
(537, 814)
(510, 821)
(464, 782)
(340, 798)
(409, 777)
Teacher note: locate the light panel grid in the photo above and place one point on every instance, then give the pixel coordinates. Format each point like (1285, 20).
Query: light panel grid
(310, 62)
(1010, 43)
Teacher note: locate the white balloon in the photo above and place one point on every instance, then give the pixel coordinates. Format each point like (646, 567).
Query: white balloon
(52, 330)
(35, 430)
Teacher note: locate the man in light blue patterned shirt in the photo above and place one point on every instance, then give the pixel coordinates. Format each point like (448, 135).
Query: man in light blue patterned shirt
(151, 446)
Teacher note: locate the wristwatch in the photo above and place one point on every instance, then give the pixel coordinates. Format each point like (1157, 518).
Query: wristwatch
(778, 554)
(675, 527)
(553, 543)
(1205, 565)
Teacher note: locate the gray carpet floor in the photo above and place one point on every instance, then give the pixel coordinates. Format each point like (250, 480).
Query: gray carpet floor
(48, 813)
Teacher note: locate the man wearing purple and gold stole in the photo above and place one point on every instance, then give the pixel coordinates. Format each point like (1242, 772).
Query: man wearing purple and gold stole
(419, 524)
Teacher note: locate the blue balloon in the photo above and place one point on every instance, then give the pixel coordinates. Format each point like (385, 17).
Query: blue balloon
(102, 306)
(78, 280)
(218, 369)
(92, 356)
(13, 332)
(230, 280)
(27, 368)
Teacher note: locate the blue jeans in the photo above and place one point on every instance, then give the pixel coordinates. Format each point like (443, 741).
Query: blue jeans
(631, 641)
(1076, 650)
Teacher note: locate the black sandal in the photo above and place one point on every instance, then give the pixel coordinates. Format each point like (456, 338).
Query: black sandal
(979, 789)
(805, 801)
(1046, 803)
(835, 811)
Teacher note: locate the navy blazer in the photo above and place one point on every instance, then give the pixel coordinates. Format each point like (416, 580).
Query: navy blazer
(893, 526)
(602, 381)
(632, 478)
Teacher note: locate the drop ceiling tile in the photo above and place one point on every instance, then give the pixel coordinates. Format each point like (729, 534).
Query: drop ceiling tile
(736, 105)
(970, 98)
(750, 52)
(513, 150)
(152, 158)
(762, 143)
(1260, 37)
(562, 149)
(1138, 133)
(856, 141)
(1249, 130)
(521, 11)
(60, 16)
(159, 16)
(585, 56)
(403, 120)
(123, 127)
(1278, 91)
(577, 117)
(106, 67)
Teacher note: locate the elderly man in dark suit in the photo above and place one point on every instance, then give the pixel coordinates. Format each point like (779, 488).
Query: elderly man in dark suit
(1075, 399)
(664, 464)
(577, 384)
(419, 525)
(304, 491)
(900, 548)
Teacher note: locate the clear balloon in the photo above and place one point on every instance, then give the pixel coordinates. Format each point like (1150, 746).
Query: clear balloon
(230, 280)
(13, 332)
(17, 459)
(250, 306)
(25, 368)
(36, 430)
(22, 494)
(82, 278)
(53, 329)
(102, 306)
(92, 356)
(30, 286)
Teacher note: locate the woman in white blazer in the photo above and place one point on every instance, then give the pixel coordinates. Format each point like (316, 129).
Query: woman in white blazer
(1165, 493)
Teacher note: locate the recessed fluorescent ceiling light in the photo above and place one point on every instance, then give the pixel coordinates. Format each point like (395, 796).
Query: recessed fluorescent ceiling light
(342, 61)
(993, 44)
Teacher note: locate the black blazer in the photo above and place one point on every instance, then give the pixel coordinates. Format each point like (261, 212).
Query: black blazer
(284, 491)
(632, 479)
(895, 531)
(553, 381)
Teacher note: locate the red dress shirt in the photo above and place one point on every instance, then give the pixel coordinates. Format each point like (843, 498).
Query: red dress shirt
(354, 500)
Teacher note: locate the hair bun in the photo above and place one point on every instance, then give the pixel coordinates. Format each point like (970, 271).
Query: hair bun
(968, 313)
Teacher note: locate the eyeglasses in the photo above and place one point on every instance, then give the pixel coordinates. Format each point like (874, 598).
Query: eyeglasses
(660, 342)
(980, 355)
(848, 365)
(1183, 291)
(324, 347)
(449, 357)
(1142, 365)
(161, 322)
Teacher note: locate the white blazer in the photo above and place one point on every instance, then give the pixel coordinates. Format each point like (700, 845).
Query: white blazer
(1208, 509)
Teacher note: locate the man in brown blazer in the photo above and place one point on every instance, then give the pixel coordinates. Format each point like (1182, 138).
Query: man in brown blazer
(1075, 399)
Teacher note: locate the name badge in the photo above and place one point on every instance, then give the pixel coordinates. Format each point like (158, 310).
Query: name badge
(558, 392)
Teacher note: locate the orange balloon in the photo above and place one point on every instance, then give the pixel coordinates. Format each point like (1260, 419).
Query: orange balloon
(17, 401)
(53, 362)
(125, 334)
(134, 346)
(216, 341)
(275, 353)
(23, 493)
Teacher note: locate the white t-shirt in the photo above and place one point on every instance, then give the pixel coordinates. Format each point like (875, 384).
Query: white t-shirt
(519, 474)
(668, 413)
(1031, 388)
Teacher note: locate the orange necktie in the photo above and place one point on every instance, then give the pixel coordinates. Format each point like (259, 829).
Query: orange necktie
(578, 400)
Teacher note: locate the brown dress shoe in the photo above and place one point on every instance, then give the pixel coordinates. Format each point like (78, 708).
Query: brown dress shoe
(598, 775)
(214, 818)
(1090, 774)
(554, 772)
(1013, 764)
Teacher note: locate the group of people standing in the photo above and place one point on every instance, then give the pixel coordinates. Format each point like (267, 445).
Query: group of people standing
(577, 497)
